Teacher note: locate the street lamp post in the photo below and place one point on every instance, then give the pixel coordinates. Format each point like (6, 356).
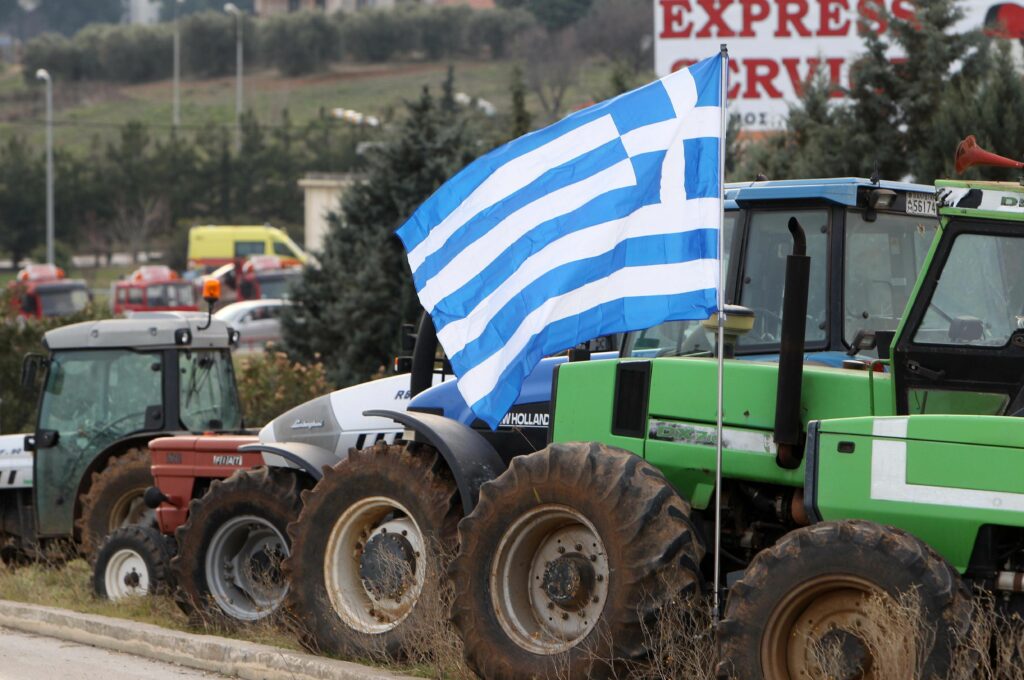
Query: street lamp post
(177, 65)
(44, 75)
(231, 8)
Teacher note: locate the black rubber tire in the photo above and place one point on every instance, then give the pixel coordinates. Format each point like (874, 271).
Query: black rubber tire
(892, 560)
(155, 549)
(652, 549)
(412, 474)
(272, 494)
(125, 474)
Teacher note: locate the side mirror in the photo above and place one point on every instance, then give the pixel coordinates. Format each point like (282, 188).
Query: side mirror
(864, 340)
(30, 370)
(408, 337)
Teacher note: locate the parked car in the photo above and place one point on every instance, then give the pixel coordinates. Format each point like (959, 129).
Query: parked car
(258, 322)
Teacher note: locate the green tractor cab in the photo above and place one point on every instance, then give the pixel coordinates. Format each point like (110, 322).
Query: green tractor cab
(108, 388)
(840, 487)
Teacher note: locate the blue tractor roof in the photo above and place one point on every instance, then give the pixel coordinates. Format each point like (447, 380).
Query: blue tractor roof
(839, 190)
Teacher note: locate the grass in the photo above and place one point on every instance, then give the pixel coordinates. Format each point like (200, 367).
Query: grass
(69, 586)
(89, 113)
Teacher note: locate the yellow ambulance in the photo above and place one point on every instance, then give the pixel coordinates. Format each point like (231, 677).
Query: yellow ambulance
(211, 246)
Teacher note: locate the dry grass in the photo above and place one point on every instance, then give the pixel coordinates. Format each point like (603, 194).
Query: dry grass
(68, 584)
(681, 640)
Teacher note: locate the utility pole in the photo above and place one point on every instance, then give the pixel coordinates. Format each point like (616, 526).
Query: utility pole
(231, 8)
(177, 65)
(44, 75)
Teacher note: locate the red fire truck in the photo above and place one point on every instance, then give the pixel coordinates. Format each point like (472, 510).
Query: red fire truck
(43, 290)
(153, 288)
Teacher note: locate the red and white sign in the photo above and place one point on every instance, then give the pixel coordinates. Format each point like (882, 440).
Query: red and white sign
(776, 45)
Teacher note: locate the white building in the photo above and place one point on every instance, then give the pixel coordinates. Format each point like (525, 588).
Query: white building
(323, 196)
(141, 11)
(269, 7)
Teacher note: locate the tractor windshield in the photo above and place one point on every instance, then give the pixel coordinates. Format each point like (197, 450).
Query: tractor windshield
(209, 399)
(883, 257)
(678, 338)
(979, 299)
(93, 397)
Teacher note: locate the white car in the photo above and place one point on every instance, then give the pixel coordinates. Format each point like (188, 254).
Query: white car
(258, 322)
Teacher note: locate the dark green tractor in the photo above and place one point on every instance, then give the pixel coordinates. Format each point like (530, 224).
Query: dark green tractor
(107, 388)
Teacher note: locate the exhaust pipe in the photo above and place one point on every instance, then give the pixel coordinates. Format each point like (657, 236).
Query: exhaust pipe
(422, 373)
(788, 430)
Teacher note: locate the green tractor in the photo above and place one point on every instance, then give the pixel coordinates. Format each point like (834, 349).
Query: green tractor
(108, 388)
(839, 485)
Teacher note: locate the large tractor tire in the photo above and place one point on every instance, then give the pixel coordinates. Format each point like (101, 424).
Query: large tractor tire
(228, 566)
(114, 499)
(566, 559)
(827, 594)
(133, 561)
(370, 549)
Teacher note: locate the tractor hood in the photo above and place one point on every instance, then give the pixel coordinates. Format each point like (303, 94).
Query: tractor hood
(335, 421)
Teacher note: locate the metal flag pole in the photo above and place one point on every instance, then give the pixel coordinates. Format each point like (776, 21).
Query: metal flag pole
(724, 106)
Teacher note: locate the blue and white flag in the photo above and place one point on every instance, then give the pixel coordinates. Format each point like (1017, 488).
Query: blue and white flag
(604, 222)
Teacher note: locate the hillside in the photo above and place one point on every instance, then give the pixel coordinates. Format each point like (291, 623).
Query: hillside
(86, 111)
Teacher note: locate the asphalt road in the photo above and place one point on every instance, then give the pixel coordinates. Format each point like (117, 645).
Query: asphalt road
(32, 657)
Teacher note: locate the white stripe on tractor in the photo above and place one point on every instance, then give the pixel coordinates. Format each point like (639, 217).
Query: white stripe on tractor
(890, 427)
(889, 483)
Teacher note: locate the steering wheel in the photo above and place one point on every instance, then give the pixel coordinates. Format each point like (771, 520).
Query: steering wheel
(759, 333)
(111, 425)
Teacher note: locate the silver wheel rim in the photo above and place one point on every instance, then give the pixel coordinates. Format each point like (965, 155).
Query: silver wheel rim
(549, 579)
(359, 604)
(126, 575)
(243, 568)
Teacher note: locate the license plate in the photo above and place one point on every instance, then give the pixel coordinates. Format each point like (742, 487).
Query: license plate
(921, 204)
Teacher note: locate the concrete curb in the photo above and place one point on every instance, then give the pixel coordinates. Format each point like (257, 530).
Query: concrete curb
(236, 658)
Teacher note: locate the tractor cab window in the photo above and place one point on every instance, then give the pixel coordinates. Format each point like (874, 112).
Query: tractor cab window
(208, 396)
(979, 299)
(763, 278)
(93, 397)
(883, 257)
(678, 338)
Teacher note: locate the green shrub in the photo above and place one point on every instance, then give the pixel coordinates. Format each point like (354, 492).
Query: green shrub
(208, 43)
(300, 43)
(377, 35)
(495, 29)
(269, 384)
(441, 31)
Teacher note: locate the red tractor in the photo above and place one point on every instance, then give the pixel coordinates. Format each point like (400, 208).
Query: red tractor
(42, 290)
(153, 288)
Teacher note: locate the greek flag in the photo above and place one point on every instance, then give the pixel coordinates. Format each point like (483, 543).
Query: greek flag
(604, 222)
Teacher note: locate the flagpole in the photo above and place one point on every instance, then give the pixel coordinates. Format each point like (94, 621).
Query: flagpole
(723, 105)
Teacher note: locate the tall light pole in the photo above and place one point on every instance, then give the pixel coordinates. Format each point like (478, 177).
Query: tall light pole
(44, 75)
(231, 8)
(177, 65)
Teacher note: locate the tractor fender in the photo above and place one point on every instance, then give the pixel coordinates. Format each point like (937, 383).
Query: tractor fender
(306, 457)
(114, 448)
(469, 456)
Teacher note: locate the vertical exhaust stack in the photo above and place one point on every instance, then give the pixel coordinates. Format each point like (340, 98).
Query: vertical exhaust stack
(788, 430)
(423, 355)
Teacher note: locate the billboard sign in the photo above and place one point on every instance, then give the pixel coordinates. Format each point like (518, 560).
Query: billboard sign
(776, 45)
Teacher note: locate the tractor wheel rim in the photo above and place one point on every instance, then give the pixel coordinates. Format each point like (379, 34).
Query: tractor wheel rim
(126, 575)
(549, 579)
(130, 509)
(243, 568)
(828, 609)
(374, 566)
